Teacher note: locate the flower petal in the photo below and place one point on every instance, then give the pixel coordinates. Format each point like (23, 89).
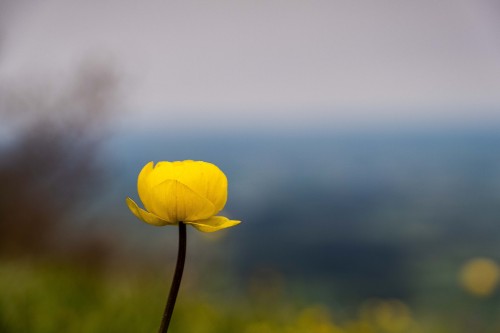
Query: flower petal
(145, 216)
(143, 184)
(213, 224)
(174, 201)
(204, 178)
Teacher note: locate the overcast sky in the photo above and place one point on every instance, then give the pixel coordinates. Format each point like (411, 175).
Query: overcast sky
(256, 61)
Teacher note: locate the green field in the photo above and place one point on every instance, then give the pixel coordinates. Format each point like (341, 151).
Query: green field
(43, 298)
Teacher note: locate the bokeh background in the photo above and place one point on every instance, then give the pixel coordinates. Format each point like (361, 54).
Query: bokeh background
(360, 138)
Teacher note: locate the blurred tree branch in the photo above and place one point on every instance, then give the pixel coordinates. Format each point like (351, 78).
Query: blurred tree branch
(49, 164)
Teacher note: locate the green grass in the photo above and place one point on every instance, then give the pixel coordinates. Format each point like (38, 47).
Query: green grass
(46, 298)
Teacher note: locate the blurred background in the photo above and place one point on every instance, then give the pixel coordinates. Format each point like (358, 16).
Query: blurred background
(360, 139)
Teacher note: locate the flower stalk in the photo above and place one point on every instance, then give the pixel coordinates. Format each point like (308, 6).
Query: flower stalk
(176, 281)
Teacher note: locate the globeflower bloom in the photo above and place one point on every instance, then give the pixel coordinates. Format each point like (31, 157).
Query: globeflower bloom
(191, 192)
(181, 193)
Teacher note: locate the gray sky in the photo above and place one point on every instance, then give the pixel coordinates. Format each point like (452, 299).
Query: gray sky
(288, 62)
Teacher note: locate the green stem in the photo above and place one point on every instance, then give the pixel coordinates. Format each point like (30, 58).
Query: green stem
(176, 282)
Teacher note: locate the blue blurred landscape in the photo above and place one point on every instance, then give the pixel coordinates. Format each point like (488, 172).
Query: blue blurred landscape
(356, 214)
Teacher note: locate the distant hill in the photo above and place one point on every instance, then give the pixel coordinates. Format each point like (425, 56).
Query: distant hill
(365, 215)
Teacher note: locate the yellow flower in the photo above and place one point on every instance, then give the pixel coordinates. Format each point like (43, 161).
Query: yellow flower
(192, 192)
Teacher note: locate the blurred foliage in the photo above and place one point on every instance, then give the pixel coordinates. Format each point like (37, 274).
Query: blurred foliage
(44, 297)
(48, 164)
